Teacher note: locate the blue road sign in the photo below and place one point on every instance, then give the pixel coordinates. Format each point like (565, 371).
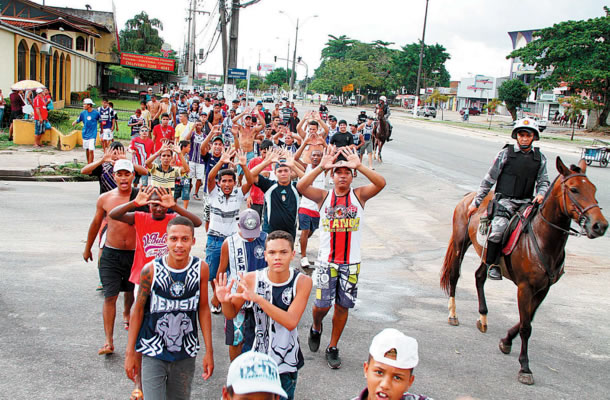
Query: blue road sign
(238, 73)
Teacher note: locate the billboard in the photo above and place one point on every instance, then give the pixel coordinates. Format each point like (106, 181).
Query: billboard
(147, 62)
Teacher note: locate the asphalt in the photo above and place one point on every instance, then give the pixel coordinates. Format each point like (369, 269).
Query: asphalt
(51, 313)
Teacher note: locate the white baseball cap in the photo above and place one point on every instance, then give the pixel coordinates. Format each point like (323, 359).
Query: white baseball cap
(39, 90)
(392, 341)
(253, 372)
(123, 164)
(88, 101)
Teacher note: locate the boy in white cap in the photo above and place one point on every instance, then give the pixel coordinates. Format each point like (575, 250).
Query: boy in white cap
(389, 369)
(89, 117)
(253, 376)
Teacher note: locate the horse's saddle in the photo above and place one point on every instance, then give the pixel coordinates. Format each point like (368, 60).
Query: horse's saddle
(516, 226)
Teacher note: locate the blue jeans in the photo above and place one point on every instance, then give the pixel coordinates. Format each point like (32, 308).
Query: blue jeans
(289, 383)
(212, 254)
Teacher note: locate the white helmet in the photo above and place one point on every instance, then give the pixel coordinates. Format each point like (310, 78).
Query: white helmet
(527, 124)
(383, 98)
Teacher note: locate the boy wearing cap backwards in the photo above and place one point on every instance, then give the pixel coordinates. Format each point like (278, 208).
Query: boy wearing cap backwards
(89, 117)
(253, 376)
(279, 296)
(342, 213)
(519, 173)
(389, 369)
(242, 252)
(172, 299)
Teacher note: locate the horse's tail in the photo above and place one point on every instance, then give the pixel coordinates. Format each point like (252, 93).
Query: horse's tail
(449, 264)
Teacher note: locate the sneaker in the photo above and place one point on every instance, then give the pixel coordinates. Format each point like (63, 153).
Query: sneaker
(313, 340)
(304, 262)
(494, 273)
(332, 357)
(215, 310)
(196, 196)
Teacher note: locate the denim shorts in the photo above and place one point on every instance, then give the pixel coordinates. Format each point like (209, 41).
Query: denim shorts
(308, 223)
(183, 191)
(289, 383)
(212, 254)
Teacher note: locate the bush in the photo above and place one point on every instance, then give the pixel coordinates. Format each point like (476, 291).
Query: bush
(95, 93)
(56, 117)
(79, 96)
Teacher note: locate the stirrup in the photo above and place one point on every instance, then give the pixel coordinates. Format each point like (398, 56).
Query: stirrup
(494, 272)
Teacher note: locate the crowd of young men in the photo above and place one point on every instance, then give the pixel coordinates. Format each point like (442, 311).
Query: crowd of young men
(253, 207)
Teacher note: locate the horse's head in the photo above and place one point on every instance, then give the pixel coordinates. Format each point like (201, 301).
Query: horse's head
(578, 199)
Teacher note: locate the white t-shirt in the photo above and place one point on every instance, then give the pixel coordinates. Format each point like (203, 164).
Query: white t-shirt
(317, 183)
(224, 212)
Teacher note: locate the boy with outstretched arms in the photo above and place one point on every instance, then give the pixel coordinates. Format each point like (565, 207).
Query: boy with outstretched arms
(389, 369)
(342, 215)
(279, 296)
(172, 298)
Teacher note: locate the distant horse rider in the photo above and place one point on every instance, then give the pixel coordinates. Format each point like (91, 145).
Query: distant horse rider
(383, 104)
(517, 170)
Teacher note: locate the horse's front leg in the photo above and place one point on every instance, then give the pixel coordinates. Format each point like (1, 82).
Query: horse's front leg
(481, 276)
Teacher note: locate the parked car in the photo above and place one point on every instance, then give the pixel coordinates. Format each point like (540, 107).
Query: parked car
(334, 100)
(351, 102)
(267, 98)
(471, 111)
(427, 111)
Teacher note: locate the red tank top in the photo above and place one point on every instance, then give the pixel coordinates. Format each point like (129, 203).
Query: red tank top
(151, 235)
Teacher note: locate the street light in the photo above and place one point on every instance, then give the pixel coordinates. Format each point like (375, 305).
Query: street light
(296, 40)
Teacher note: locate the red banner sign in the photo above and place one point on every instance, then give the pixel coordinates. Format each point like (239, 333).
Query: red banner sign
(147, 62)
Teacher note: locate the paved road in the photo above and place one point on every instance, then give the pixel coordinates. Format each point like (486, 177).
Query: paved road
(51, 320)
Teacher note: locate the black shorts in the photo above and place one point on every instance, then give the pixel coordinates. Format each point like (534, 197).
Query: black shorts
(115, 268)
(16, 115)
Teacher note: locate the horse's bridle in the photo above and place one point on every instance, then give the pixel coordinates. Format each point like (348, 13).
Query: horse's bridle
(579, 209)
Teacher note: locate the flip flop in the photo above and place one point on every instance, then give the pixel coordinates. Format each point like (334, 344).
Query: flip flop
(136, 395)
(126, 325)
(107, 349)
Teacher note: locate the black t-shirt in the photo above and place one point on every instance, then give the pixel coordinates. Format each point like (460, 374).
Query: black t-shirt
(341, 140)
(283, 203)
(292, 123)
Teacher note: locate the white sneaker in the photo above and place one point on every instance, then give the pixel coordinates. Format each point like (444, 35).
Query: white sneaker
(305, 263)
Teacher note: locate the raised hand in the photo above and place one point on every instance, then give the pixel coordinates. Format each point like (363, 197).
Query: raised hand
(273, 155)
(248, 290)
(223, 289)
(329, 157)
(242, 158)
(166, 198)
(120, 153)
(107, 155)
(143, 196)
(227, 155)
(289, 158)
(351, 156)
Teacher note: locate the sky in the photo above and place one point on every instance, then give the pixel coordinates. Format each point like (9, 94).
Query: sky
(474, 32)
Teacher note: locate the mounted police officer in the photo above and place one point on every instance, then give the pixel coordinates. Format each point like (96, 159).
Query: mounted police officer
(383, 104)
(518, 172)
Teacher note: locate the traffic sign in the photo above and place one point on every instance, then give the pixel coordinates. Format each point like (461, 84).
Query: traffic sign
(238, 73)
(348, 87)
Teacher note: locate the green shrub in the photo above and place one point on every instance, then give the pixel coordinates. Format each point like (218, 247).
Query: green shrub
(95, 93)
(56, 117)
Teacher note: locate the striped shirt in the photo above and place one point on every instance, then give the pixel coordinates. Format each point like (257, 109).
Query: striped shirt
(224, 211)
(165, 179)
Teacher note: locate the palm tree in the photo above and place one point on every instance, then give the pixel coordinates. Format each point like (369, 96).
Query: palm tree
(337, 47)
(141, 34)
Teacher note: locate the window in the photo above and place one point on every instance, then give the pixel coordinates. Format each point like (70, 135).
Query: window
(80, 43)
(91, 45)
(55, 59)
(33, 57)
(47, 70)
(63, 40)
(60, 95)
(21, 52)
(44, 35)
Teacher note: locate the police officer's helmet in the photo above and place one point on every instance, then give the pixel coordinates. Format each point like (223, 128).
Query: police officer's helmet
(526, 124)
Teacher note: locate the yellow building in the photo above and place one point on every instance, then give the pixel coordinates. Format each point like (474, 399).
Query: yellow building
(56, 46)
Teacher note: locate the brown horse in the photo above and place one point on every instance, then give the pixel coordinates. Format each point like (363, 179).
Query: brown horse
(381, 131)
(536, 263)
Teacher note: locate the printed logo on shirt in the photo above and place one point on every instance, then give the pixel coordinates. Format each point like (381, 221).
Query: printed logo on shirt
(287, 296)
(341, 219)
(177, 289)
(259, 252)
(154, 245)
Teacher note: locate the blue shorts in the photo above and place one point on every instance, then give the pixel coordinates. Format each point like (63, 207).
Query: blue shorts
(183, 191)
(308, 223)
(289, 383)
(39, 127)
(212, 254)
(336, 283)
(249, 156)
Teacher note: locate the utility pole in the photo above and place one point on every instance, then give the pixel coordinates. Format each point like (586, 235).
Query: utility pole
(421, 59)
(192, 46)
(187, 59)
(294, 59)
(223, 37)
(287, 60)
(233, 35)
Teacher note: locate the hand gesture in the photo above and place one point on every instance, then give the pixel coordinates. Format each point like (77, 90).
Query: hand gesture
(227, 155)
(248, 290)
(223, 290)
(287, 155)
(351, 156)
(273, 155)
(166, 198)
(107, 157)
(242, 158)
(143, 196)
(120, 153)
(329, 157)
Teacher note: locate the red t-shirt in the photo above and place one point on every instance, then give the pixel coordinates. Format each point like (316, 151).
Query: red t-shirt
(151, 236)
(257, 195)
(41, 102)
(142, 148)
(160, 133)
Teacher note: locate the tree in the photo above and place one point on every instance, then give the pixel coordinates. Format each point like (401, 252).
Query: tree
(255, 83)
(141, 35)
(576, 53)
(513, 92)
(491, 109)
(405, 64)
(574, 106)
(336, 47)
(278, 76)
(437, 98)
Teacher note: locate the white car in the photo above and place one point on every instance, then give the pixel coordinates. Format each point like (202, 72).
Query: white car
(267, 98)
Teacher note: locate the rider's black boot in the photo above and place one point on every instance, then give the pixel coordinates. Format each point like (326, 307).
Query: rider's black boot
(390, 134)
(491, 259)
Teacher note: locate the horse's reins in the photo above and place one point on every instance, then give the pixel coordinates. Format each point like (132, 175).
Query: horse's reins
(567, 194)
